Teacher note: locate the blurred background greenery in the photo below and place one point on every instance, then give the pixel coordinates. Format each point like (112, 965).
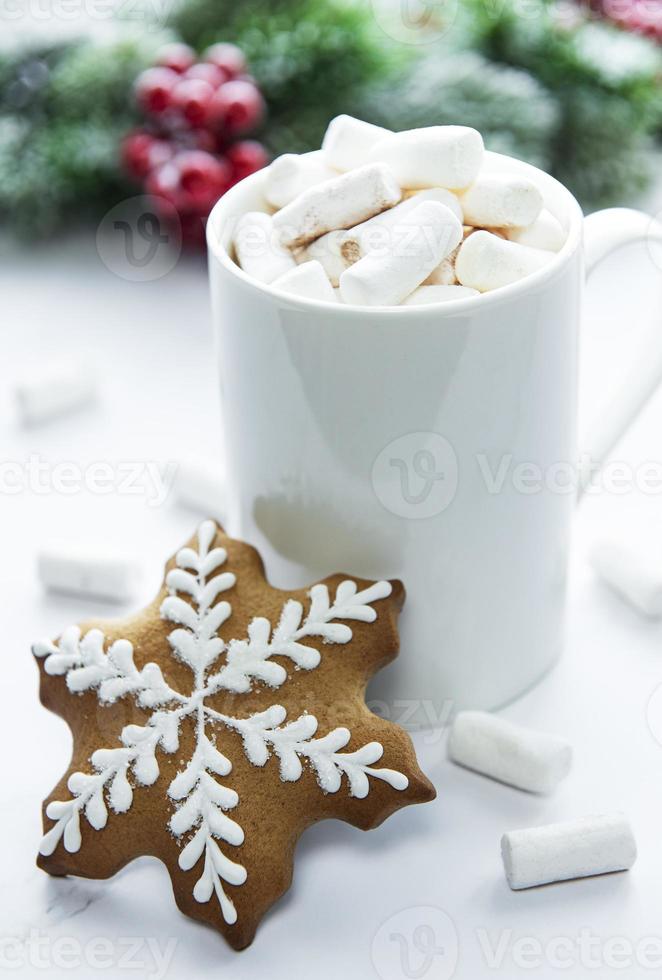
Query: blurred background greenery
(564, 87)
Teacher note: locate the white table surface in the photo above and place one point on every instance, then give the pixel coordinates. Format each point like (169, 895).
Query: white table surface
(151, 347)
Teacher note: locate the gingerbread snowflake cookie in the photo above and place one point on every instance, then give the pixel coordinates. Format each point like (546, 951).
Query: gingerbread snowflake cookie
(212, 728)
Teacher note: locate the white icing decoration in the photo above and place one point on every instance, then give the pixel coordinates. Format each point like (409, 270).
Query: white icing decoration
(250, 658)
(294, 741)
(201, 801)
(86, 666)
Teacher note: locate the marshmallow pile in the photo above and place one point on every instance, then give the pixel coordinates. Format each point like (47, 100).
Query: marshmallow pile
(386, 219)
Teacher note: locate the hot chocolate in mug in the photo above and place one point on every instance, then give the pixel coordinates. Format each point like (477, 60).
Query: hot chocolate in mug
(375, 442)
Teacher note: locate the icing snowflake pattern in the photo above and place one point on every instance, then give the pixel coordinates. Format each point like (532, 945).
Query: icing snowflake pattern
(201, 800)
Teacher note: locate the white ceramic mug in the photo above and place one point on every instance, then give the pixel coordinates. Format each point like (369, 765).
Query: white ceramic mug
(370, 441)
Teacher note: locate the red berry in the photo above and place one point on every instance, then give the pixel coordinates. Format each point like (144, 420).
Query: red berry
(134, 153)
(165, 183)
(154, 88)
(236, 107)
(203, 178)
(141, 153)
(177, 57)
(226, 56)
(193, 96)
(160, 152)
(246, 157)
(202, 139)
(208, 73)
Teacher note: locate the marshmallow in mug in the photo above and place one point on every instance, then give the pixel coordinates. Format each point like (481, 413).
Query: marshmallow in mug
(327, 251)
(436, 156)
(487, 262)
(348, 142)
(309, 281)
(377, 233)
(501, 201)
(362, 211)
(290, 174)
(444, 273)
(386, 279)
(546, 232)
(258, 250)
(338, 203)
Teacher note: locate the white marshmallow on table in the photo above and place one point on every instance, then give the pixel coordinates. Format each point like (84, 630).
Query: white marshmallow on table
(79, 569)
(545, 232)
(291, 174)
(309, 281)
(530, 760)
(385, 280)
(501, 201)
(337, 203)
(487, 262)
(258, 250)
(438, 294)
(378, 233)
(634, 572)
(53, 389)
(201, 487)
(348, 141)
(436, 156)
(326, 251)
(593, 845)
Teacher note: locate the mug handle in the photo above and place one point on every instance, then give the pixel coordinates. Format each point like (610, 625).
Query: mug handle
(604, 233)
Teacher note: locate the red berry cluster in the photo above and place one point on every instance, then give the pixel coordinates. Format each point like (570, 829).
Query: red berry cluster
(191, 150)
(639, 16)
